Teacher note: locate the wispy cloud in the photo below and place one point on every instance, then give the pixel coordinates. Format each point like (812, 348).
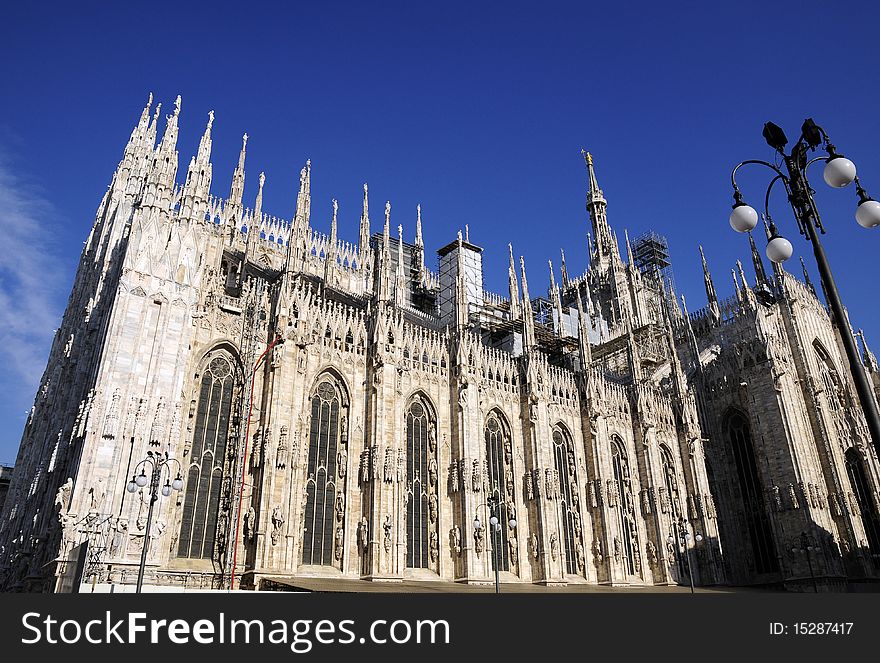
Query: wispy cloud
(32, 292)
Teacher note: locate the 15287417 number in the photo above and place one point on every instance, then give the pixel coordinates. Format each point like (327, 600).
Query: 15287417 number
(821, 628)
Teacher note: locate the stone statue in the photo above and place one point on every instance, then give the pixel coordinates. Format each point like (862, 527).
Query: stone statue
(364, 534)
(432, 471)
(433, 546)
(97, 493)
(277, 522)
(340, 506)
(432, 507)
(456, 539)
(533, 546)
(337, 543)
(511, 546)
(478, 541)
(387, 540)
(579, 555)
(250, 524)
(62, 497)
(341, 460)
(257, 451)
(554, 546)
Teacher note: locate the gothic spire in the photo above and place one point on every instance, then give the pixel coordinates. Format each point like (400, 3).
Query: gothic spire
(151, 130)
(304, 199)
(605, 243)
(420, 245)
(169, 138)
(400, 289)
(555, 299)
(140, 130)
(748, 295)
(333, 226)
(528, 316)
(197, 187)
(807, 280)
(584, 349)
(629, 250)
(258, 205)
(564, 270)
(711, 296)
(330, 255)
(692, 339)
(204, 152)
(364, 236)
(236, 190)
(870, 360)
(160, 182)
(736, 287)
(760, 274)
(386, 233)
(512, 286)
(254, 225)
(419, 241)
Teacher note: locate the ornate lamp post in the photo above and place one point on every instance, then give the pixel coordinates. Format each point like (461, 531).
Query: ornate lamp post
(805, 544)
(492, 504)
(160, 465)
(839, 172)
(679, 535)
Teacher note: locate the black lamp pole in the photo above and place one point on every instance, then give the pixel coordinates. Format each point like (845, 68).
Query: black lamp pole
(157, 463)
(681, 535)
(800, 196)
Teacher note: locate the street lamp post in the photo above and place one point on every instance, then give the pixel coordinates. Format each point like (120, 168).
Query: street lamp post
(159, 465)
(806, 545)
(839, 172)
(493, 505)
(679, 535)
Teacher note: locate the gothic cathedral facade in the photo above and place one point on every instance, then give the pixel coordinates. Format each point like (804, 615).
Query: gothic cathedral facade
(344, 411)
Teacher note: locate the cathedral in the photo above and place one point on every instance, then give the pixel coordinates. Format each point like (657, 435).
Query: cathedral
(248, 402)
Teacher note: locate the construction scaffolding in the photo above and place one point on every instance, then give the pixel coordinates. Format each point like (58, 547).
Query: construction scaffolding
(651, 255)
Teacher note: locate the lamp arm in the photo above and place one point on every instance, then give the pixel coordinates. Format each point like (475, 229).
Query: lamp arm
(780, 176)
(751, 161)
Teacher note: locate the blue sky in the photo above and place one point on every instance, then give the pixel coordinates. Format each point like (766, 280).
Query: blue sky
(477, 111)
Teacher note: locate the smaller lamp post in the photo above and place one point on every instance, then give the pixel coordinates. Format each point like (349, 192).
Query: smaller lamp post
(805, 544)
(159, 464)
(493, 504)
(680, 535)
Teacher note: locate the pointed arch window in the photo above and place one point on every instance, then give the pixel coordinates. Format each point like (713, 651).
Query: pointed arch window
(208, 462)
(324, 513)
(500, 477)
(754, 510)
(834, 389)
(568, 504)
(626, 523)
(862, 491)
(422, 540)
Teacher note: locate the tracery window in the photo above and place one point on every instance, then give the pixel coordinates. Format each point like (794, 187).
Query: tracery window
(422, 541)
(626, 524)
(500, 476)
(830, 380)
(862, 491)
(568, 503)
(199, 535)
(324, 513)
(755, 512)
